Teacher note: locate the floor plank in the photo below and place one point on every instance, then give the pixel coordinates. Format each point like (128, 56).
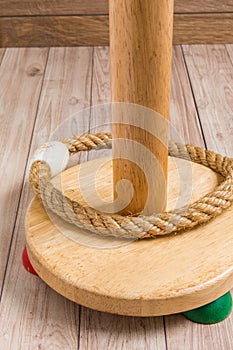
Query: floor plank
(104, 331)
(211, 78)
(33, 316)
(184, 122)
(100, 114)
(211, 74)
(185, 335)
(2, 51)
(21, 75)
(230, 52)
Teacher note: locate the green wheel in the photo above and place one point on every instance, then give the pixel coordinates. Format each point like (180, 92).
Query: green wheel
(213, 312)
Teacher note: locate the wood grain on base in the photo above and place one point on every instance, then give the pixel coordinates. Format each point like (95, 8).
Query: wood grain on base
(141, 278)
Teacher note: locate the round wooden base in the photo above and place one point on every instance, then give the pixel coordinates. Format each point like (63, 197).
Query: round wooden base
(140, 278)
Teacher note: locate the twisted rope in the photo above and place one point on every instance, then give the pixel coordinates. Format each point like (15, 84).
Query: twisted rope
(139, 227)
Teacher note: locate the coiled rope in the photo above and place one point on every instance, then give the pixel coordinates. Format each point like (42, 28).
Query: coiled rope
(136, 227)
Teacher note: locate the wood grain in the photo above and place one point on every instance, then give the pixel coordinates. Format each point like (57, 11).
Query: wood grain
(184, 122)
(180, 332)
(18, 106)
(31, 314)
(53, 31)
(2, 51)
(203, 28)
(53, 7)
(65, 98)
(77, 7)
(211, 79)
(211, 65)
(137, 51)
(100, 330)
(93, 30)
(230, 52)
(100, 115)
(200, 6)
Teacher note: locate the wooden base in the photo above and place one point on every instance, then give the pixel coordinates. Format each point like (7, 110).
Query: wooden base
(139, 278)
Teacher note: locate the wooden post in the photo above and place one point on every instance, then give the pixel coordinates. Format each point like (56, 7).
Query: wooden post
(140, 46)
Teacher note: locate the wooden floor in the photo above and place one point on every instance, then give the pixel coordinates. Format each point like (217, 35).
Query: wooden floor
(39, 89)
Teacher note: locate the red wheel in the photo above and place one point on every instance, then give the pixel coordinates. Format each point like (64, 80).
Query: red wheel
(26, 262)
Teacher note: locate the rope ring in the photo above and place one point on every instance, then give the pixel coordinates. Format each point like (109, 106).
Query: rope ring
(135, 227)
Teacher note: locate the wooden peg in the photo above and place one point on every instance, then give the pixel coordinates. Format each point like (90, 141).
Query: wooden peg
(140, 48)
